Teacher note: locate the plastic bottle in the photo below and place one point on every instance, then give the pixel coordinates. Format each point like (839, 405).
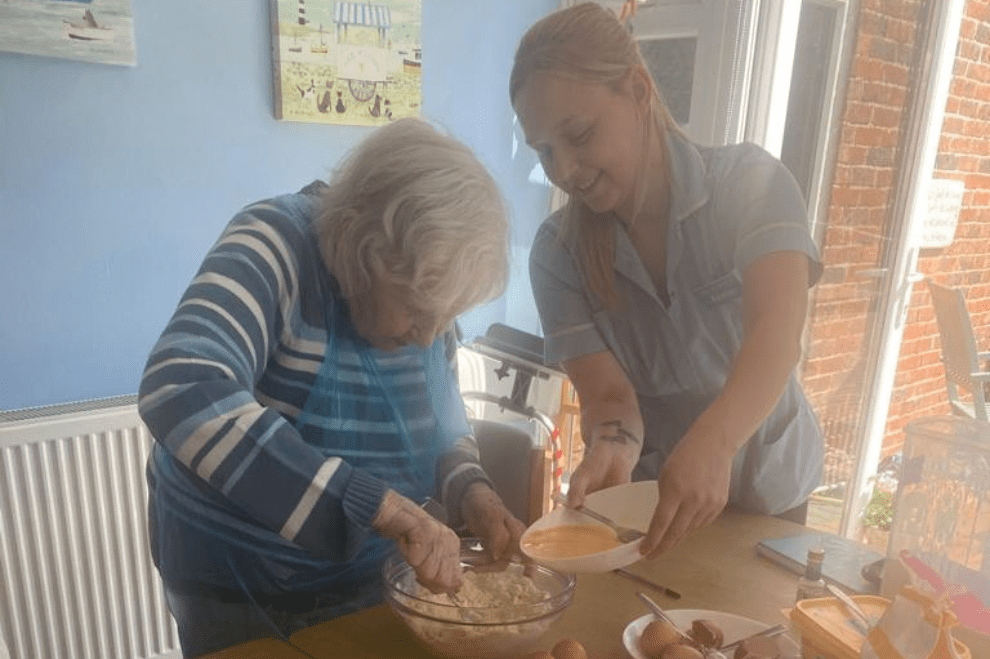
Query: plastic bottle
(812, 584)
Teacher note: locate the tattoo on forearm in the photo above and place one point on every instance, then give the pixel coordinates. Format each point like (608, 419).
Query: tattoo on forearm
(618, 435)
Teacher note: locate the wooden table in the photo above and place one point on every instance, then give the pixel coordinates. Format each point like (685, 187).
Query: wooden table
(717, 569)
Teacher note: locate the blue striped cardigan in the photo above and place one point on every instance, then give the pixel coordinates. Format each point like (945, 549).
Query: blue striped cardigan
(230, 375)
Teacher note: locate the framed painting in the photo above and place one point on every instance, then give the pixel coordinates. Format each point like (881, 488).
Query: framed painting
(99, 31)
(348, 63)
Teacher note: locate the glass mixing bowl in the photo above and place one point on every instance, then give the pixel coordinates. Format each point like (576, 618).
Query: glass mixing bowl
(501, 613)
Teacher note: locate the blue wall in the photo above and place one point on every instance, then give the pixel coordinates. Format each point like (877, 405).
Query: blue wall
(114, 181)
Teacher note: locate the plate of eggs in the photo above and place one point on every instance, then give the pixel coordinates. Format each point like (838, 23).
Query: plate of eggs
(569, 541)
(648, 637)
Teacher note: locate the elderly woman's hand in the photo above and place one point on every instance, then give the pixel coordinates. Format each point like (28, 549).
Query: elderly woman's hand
(429, 546)
(489, 519)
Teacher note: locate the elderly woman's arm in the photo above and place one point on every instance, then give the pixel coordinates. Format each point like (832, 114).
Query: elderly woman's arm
(467, 493)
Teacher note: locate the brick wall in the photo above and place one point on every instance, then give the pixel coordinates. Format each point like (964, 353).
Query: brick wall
(964, 154)
(857, 226)
(853, 242)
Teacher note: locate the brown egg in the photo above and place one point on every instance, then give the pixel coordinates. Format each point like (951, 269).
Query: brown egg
(568, 648)
(707, 633)
(681, 651)
(538, 654)
(758, 648)
(656, 636)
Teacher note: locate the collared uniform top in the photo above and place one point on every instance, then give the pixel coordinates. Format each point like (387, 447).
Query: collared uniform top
(729, 206)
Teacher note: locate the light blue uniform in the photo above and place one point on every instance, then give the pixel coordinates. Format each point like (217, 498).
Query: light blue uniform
(729, 207)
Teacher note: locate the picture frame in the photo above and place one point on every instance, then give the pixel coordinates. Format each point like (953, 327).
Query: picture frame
(100, 31)
(346, 63)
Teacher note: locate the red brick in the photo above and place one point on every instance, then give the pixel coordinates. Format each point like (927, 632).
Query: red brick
(896, 74)
(978, 72)
(873, 197)
(968, 28)
(858, 112)
(952, 124)
(979, 11)
(978, 181)
(887, 117)
(871, 69)
(845, 196)
(968, 50)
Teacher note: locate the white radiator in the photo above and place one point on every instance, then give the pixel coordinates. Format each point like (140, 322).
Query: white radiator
(76, 576)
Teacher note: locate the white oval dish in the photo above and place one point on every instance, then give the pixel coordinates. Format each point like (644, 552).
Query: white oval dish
(733, 628)
(629, 505)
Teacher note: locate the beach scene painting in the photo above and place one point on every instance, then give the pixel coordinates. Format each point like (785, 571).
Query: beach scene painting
(99, 31)
(347, 63)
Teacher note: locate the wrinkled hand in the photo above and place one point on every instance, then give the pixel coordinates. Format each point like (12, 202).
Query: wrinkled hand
(694, 488)
(489, 519)
(606, 464)
(431, 548)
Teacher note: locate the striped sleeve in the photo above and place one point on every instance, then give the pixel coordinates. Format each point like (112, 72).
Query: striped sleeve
(459, 467)
(197, 392)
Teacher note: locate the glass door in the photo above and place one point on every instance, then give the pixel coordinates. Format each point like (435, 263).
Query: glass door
(698, 52)
(870, 229)
(848, 95)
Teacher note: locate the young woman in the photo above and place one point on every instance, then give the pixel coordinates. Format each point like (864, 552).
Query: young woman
(303, 397)
(672, 286)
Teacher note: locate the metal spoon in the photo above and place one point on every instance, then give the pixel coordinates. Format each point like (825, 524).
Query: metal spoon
(623, 533)
(769, 632)
(662, 615)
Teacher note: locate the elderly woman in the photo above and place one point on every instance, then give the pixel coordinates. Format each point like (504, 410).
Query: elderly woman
(304, 400)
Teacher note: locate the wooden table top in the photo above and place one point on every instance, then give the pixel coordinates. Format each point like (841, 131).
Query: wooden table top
(716, 569)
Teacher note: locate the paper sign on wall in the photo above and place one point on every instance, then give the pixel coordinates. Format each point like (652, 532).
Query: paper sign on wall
(944, 203)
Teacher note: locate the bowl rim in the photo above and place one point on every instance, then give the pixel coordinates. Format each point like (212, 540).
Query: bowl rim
(645, 493)
(397, 566)
(405, 609)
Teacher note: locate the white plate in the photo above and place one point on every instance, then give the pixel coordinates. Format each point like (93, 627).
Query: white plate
(629, 505)
(733, 628)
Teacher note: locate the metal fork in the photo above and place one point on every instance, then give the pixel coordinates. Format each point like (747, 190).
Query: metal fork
(769, 632)
(776, 630)
(660, 614)
(623, 533)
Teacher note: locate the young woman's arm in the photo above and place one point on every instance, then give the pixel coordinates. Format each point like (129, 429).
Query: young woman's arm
(610, 424)
(694, 482)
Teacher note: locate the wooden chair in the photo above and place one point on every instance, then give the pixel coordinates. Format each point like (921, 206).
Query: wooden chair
(964, 365)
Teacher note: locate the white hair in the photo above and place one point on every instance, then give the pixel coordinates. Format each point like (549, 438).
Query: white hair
(416, 206)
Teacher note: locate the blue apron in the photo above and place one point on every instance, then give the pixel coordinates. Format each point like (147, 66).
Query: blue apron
(407, 462)
(426, 425)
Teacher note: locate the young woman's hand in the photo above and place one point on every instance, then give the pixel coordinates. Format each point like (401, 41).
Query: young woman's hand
(430, 547)
(694, 482)
(611, 425)
(489, 519)
(605, 464)
(693, 488)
